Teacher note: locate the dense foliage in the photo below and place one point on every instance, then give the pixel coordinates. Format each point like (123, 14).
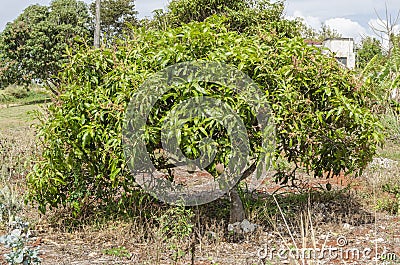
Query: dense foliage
(322, 123)
(32, 47)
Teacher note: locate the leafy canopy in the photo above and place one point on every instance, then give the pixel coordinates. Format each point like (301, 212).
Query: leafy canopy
(244, 16)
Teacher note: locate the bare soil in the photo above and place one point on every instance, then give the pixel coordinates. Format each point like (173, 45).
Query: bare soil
(348, 231)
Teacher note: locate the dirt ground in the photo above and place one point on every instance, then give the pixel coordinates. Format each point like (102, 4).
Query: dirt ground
(343, 231)
(362, 242)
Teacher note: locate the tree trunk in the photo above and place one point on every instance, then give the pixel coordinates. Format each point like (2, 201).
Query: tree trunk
(97, 27)
(50, 85)
(237, 209)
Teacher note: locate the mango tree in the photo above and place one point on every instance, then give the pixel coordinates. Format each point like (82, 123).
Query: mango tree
(322, 123)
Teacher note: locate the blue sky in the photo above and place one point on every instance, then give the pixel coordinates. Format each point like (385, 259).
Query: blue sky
(350, 17)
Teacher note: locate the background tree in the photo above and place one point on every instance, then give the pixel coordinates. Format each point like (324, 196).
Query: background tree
(185, 11)
(325, 32)
(33, 46)
(385, 30)
(19, 57)
(243, 16)
(116, 16)
(382, 73)
(306, 31)
(367, 50)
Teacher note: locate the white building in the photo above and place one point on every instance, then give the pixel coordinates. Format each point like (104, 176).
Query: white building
(343, 48)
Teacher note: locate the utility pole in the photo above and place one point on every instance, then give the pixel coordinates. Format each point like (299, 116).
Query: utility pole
(97, 27)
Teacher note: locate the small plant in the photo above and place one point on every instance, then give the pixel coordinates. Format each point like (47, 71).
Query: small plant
(16, 240)
(10, 204)
(4, 98)
(391, 122)
(118, 252)
(176, 223)
(394, 203)
(176, 226)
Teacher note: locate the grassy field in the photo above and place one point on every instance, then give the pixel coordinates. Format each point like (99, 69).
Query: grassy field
(17, 116)
(17, 106)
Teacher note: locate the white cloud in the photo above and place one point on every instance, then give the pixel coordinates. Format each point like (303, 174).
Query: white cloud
(347, 28)
(313, 22)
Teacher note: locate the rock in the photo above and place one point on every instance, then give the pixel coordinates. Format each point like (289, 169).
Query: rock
(347, 226)
(242, 227)
(248, 227)
(235, 227)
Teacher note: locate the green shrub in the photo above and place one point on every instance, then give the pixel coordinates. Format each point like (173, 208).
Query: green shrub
(322, 124)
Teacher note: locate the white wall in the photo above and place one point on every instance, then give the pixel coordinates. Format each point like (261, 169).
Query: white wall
(342, 47)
